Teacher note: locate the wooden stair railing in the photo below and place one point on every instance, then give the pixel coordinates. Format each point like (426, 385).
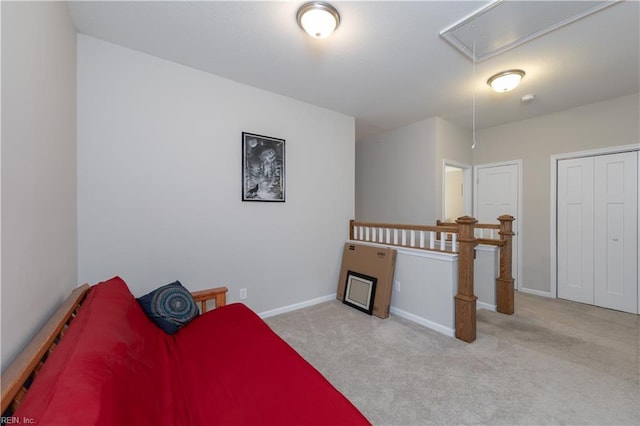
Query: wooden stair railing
(465, 300)
(460, 237)
(505, 281)
(480, 231)
(423, 237)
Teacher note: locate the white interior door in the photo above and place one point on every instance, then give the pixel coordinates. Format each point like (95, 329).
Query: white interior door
(616, 232)
(497, 192)
(575, 229)
(597, 230)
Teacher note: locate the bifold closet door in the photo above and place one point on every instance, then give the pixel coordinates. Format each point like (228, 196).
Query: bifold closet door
(616, 231)
(597, 237)
(575, 230)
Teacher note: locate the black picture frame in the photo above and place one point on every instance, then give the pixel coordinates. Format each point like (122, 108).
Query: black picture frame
(263, 168)
(360, 291)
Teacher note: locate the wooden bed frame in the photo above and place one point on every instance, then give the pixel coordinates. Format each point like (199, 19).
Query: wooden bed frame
(18, 377)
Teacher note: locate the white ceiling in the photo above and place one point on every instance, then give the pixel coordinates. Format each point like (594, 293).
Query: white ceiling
(386, 64)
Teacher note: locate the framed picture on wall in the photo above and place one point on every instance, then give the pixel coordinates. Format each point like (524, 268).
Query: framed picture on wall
(263, 168)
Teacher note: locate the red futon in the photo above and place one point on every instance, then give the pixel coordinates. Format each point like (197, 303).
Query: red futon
(226, 367)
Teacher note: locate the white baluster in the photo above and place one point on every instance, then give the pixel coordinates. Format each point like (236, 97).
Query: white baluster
(454, 242)
(404, 237)
(395, 236)
(388, 239)
(413, 238)
(366, 233)
(432, 240)
(443, 239)
(374, 234)
(421, 239)
(381, 235)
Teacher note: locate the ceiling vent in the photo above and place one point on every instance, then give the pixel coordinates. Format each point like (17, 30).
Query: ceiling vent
(503, 25)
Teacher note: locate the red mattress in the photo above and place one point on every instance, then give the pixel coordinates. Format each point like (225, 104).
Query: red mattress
(227, 367)
(240, 372)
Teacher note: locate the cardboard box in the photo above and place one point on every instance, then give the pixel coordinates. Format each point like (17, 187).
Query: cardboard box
(376, 262)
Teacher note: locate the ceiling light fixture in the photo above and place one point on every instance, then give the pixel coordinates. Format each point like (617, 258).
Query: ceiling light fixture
(505, 80)
(318, 19)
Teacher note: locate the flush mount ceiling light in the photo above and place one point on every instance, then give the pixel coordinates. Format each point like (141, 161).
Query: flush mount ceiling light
(505, 80)
(318, 19)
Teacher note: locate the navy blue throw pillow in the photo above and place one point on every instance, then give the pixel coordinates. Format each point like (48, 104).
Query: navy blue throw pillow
(170, 307)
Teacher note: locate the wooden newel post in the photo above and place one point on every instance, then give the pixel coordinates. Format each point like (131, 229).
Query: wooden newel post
(504, 283)
(465, 299)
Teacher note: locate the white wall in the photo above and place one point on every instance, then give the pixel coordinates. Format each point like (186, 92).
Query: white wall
(428, 283)
(486, 268)
(159, 182)
(399, 173)
(396, 176)
(39, 240)
(610, 123)
(453, 143)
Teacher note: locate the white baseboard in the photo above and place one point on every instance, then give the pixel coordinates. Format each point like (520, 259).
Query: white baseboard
(423, 321)
(483, 305)
(296, 306)
(537, 292)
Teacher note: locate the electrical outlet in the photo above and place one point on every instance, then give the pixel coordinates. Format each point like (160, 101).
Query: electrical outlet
(396, 286)
(243, 293)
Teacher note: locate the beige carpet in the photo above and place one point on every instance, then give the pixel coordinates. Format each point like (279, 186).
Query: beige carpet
(552, 362)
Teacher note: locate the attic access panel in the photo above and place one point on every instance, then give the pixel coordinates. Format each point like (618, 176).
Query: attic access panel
(503, 25)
